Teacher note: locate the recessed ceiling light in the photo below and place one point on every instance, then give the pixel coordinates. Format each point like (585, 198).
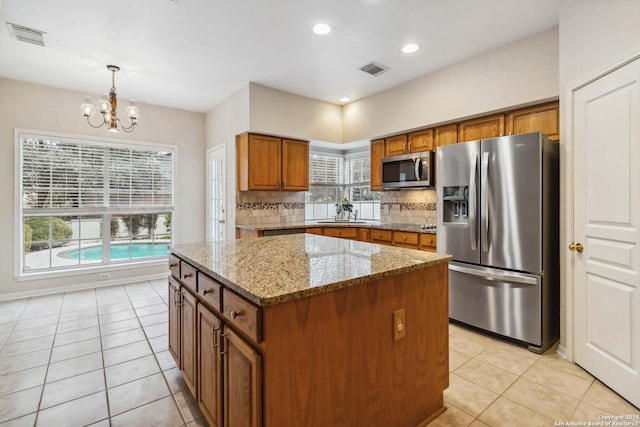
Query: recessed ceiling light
(344, 99)
(410, 48)
(321, 29)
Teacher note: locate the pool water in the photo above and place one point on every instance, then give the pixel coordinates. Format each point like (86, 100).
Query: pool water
(121, 251)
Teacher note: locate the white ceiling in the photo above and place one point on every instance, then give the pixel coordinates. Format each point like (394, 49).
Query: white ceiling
(193, 54)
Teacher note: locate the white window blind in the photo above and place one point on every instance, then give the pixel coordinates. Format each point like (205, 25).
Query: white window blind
(58, 174)
(325, 170)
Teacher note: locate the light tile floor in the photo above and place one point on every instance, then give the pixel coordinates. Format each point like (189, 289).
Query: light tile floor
(495, 383)
(99, 357)
(96, 357)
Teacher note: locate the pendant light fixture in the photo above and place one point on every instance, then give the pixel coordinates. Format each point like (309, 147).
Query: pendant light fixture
(108, 108)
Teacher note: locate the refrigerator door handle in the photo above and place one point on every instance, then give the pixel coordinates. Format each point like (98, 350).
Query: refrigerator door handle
(490, 274)
(484, 212)
(473, 230)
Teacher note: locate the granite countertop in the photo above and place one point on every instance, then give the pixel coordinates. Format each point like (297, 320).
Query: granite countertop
(364, 224)
(273, 270)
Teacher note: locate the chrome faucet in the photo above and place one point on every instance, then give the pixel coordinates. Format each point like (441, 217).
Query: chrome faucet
(355, 215)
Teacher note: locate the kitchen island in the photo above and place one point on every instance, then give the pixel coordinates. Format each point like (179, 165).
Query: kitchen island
(307, 330)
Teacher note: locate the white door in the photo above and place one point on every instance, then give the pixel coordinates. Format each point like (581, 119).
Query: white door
(216, 184)
(607, 223)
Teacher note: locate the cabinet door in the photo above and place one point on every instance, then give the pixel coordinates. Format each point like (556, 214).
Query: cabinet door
(363, 234)
(542, 118)
(242, 383)
(295, 165)
(481, 128)
(265, 162)
(209, 366)
(174, 320)
(421, 141)
(188, 340)
(395, 145)
(445, 135)
(377, 153)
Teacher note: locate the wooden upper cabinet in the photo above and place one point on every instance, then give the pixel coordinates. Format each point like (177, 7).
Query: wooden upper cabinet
(377, 153)
(445, 135)
(421, 140)
(395, 145)
(481, 128)
(542, 118)
(271, 163)
(295, 165)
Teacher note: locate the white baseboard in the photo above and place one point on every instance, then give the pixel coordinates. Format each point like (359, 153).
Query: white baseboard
(562, 351)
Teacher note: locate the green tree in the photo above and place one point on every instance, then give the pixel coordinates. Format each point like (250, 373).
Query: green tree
(61, 232)
(167, 222)
(28, 236)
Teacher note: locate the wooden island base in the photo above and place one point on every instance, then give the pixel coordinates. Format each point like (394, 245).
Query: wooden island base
(323, 332)
(331, 359)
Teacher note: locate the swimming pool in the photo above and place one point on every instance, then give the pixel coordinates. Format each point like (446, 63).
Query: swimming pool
(121, 251)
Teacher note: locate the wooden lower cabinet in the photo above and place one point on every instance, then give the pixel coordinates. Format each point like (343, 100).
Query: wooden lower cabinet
(314, 230)
(342, 232)
(405, 239)
(174, 319)
(326, 360)
(242, 382)
(209, 366)
(364, 235)
(188, 339)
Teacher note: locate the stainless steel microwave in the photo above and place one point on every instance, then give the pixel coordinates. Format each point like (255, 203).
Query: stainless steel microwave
(413, 170)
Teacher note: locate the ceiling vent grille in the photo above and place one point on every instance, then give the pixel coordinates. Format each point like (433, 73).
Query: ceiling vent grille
(374, 68)
(27, 35)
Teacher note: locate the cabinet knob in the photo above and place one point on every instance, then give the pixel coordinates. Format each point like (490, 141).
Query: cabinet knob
(173, 264)
(234, 314)
(187, 275)
(207, 291)
(404, 238)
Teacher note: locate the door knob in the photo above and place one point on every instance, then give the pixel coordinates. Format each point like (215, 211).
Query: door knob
(576, 247)
(221, 221)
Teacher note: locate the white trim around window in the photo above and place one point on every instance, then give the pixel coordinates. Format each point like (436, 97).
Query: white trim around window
(105, 194)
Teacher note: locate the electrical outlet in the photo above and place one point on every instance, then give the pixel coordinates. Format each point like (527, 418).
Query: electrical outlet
(104, 276)
(399, 326)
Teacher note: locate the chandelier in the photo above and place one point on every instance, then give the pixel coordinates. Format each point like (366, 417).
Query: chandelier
(108, 109)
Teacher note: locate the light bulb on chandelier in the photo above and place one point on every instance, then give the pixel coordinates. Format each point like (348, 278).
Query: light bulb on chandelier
(108, 109)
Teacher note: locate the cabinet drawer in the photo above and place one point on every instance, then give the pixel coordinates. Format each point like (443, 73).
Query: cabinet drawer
(381, 236)
(405, 239)
(210, 290)
(242, 315)
(313, 230)
(174, 266)
(428, 242)
(188, 276)
(342, 232)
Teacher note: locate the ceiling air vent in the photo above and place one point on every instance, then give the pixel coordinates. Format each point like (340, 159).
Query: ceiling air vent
(374, 68)
(25, 34)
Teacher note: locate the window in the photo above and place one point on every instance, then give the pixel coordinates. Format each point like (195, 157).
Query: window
(86, 203)
(333, 177)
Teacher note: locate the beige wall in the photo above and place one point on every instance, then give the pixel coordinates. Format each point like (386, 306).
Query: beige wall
(223, 123)
(284, 114)
(47, 109)
(594, 36)
(517, 74)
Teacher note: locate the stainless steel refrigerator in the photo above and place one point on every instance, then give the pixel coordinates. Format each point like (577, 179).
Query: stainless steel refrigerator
(497, 214)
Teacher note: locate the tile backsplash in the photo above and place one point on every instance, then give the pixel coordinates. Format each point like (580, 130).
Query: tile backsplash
(268, 207)
(408, 206)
